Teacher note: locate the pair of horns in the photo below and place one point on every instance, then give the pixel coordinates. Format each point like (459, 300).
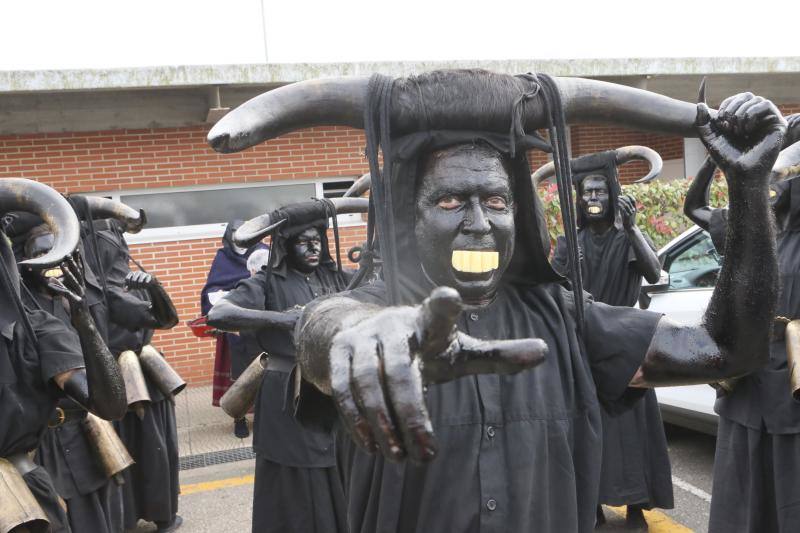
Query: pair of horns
(621, 155)
(19, 194)
(301, 213)
(473, 99)
(132, 220)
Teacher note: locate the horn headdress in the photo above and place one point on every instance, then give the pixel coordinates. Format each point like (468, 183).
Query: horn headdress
(622, 156)
(131, 219)
(19, 194)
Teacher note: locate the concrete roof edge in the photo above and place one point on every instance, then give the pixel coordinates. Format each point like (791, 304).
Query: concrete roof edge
(260, 74)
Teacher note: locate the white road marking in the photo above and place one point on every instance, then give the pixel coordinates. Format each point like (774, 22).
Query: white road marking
(688, 487)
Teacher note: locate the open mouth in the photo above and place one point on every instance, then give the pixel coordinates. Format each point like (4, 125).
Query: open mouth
(595, 209)
(475, 261)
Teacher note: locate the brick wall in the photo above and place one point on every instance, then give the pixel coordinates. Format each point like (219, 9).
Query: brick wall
(134, 159)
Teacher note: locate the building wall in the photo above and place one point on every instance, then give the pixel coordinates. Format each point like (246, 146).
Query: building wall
(134, 159)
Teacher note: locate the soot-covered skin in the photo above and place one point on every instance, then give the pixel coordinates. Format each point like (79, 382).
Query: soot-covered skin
(304, 250)
(100, 387)
(594, 202)
(744, 140)
(464, 202)
(164, 314)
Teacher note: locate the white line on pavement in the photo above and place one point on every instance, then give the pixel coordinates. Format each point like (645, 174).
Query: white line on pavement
(688, 487)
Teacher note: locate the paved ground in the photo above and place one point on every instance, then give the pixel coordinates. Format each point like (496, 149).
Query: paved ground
(218, 498)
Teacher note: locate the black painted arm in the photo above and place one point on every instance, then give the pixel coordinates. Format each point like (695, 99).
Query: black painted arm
(744, 140)
(697, 206)
(164, 314)
(227, 316)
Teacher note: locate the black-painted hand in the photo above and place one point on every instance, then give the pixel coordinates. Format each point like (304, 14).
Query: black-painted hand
(73, 286)
(379, 367)
(627, 210)
(745, 137)
(139, 280)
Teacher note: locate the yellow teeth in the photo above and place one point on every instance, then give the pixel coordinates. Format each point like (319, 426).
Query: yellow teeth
(595, 210)
(53, 273)
(475, 261)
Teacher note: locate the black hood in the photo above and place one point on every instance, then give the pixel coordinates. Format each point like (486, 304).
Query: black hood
(599, 164)
(279, 246)
(529, 265)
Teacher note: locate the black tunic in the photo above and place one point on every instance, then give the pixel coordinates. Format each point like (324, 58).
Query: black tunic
(151, 485)
(757, 460)
(636, 468)
(27, 392)
(293, 462)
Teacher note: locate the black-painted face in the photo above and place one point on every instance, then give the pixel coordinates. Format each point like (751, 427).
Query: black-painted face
(36, 246)
(304, 250)
(465, 220)
(594, 198)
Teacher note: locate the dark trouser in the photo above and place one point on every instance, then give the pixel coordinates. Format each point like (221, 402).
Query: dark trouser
(756, 481)
(99, 511)
(297, 500)
(151, 485)
(38, 480)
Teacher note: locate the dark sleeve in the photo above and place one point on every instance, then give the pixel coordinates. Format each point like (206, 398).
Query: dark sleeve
(250, 293)
(632, 252)
(560, 257)
(717, 227)
(616, 341)
(58, 345)
(128, 310)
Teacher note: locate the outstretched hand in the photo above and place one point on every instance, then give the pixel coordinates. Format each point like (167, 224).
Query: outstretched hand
(745, 137)
(378, 370)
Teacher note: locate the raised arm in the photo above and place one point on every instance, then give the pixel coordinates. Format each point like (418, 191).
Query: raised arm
(697, 205)
(374, 362)
(99, 387)
(744, 140)
(646, 259)
(162, 313)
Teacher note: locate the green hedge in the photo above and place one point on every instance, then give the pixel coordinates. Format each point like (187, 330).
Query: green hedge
(659, 204)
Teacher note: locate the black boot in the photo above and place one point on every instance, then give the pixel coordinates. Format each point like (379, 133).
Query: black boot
(240, 428)
(601, 517)
(164, 527)
(634, 519)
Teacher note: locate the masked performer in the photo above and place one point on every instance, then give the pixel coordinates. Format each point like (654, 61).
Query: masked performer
(94, 500)
(455, 207)
(614, 256)
(297, 487)
(229, 266)
(137, 304)
(757, 460)
(40, 357)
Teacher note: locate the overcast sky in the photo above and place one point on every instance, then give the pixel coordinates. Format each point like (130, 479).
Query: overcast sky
(61, 34)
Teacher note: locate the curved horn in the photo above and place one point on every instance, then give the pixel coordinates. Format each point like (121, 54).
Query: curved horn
(628, 153)
(19, 194)
(259, 227)
(542, 173)
(787, 166)
(359, 187)
(132, 219)
(483, 101)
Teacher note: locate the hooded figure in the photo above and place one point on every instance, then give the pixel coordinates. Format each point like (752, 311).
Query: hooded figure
(40, 358)
(516, 448)
(757, 459)
(297, 487)
(138, 304)
(614, 256)
(231, 356)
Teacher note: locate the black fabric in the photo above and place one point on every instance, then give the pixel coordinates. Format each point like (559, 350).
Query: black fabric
(151, 485)
(636, 467)
(98, 512)
(483, 423)
(45, 493)
(755, 481)
(276, 434)
(599, 164)
(297, 500)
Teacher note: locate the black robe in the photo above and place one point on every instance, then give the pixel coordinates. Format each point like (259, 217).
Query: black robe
(151, 485)
(94, 502)
(515, 453)
(297, 487)
(757, 461)
(636, 467)
(28, 394)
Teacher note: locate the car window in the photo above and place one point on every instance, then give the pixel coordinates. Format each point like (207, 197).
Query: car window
(693, 264)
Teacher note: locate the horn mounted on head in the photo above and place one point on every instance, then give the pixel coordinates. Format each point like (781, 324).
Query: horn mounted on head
(132, 220)
(259, 227)
(622, 156)
(19, 194)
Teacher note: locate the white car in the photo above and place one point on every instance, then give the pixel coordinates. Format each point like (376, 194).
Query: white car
(690, 267)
